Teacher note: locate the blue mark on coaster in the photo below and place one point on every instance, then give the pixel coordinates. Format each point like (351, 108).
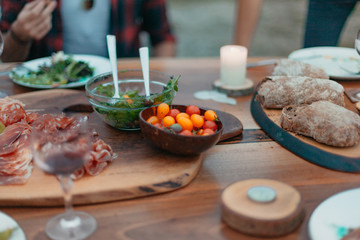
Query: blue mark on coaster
(261, 194)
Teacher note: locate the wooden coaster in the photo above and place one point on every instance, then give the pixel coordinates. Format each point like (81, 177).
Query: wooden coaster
(262, 207)
(246, 89)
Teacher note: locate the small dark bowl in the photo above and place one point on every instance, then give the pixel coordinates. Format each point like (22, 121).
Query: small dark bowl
(175, 143)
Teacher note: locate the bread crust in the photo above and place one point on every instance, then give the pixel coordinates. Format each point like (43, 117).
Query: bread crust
(281, 91)
(287, 67)
(324, 121)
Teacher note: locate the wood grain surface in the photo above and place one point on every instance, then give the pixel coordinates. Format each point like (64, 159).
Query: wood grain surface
(274, 218)
(194, 211)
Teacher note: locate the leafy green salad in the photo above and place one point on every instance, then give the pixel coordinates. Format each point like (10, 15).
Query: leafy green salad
(63, 69)
(124, 113)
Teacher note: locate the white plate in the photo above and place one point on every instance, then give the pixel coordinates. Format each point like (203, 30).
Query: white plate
(336, 215)
(330, 59)
(7, 222)
(100, 65)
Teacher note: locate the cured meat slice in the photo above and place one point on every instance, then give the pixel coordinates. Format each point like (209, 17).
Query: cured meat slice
(100, 157)
(52, 122)
(8, 138)
(16, 179)
(31, 117)
(15, 154)
(11, 111)
(101, 154)
(16, 163)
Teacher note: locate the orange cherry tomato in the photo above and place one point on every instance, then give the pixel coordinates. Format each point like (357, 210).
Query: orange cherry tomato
(153, 120)
(181, 115)
(186, 133)
(185, 123)
(162, 110)
(210, 124)
(200, 132)
(173, 112)
(128, 101)
(210, 115)
(192, 109)
(197, 120)
(168, 121)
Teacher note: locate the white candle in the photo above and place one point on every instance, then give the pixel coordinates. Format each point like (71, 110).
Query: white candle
(233, 65)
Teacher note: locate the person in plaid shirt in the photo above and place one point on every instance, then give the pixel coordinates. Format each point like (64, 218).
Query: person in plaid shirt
(39, 28)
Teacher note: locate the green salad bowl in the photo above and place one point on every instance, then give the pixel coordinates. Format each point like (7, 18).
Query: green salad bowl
(123, 113)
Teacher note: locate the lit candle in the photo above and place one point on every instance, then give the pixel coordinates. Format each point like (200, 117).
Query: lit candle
(233, 65)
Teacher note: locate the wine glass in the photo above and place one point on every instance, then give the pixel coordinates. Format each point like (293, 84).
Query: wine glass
(2, 93)
(357, 42)
(1, 43)
(61, 152)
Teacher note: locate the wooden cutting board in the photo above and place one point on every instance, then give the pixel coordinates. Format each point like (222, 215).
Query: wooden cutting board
(337, 158)
(138, 170)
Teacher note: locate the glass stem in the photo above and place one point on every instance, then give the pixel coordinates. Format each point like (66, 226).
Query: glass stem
(66, 184)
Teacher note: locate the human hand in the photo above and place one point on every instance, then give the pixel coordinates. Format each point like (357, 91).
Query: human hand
(34, 20)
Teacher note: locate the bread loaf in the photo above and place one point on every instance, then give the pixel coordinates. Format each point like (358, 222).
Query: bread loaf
(280, 91)
(287, 67)
(324, 121)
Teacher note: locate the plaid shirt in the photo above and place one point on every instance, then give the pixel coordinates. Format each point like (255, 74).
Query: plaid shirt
(128, 18)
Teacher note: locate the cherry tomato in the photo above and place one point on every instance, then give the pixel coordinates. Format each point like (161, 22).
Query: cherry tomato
(128, 101)
(197, 120)
(210, 124)
(192, 109)
(186, 133)
(158, 125)
(162, 110)
(200, 132)
(181, 115)
(208, 131)
(173, 112)
(153, 120)
(210, 115)
(185, 123)
(168, 121)
(176, 128)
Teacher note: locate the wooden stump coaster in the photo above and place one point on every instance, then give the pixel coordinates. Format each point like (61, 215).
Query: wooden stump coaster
(262, 207)
(246, 89)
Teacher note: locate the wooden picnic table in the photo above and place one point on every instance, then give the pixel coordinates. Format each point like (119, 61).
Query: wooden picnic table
(194, 211)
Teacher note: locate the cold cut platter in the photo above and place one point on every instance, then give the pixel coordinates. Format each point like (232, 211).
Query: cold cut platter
(137, 170)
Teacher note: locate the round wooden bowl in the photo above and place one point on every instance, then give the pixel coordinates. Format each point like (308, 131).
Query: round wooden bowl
(175, 143)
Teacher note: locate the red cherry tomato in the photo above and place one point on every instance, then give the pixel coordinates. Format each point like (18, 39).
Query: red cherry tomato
(173, 112)
(192, 109)
(158, 125)
(210, 124)
(186, 133)
(208, 131)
